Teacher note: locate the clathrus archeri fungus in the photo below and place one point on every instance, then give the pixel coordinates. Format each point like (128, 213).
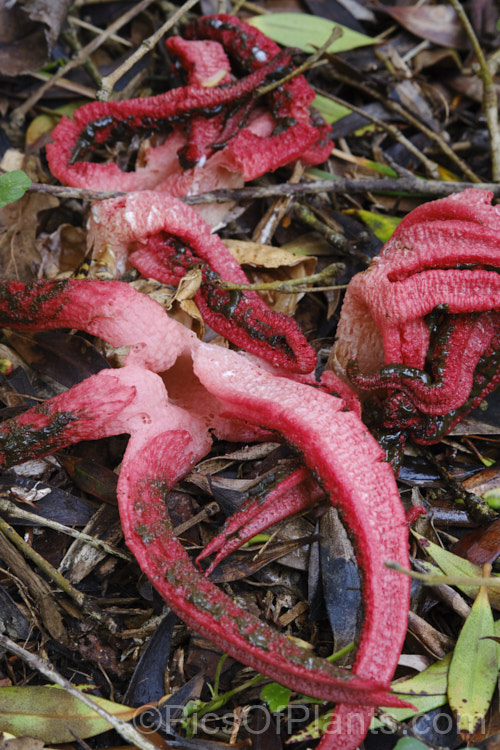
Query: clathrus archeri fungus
(422, 323)
(203, 390)
(164, 239)
(216, 131)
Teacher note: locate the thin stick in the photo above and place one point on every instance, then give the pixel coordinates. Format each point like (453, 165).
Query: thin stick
(490, 99)
(78, 597)
(96, 30)
(11, 508)
(336, 33)
(400, 110)
(430, 165)
(292, 286)
(107, 83)
(391, 185)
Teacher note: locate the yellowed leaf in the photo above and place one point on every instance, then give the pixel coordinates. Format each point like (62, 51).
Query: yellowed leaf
(264, 263)
(48, 713)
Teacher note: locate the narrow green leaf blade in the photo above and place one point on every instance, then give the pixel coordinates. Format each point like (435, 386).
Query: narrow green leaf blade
(307, 32)
(329, 110)
(453, 565)
(48, 713)
(13, 186)
(431, 681)
(473, 673)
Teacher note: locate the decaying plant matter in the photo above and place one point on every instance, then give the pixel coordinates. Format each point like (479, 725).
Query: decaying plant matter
(423, 321)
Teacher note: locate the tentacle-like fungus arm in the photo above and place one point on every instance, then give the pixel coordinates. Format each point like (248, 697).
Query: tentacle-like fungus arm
(166, 441)
(164, 238)
(102, 308)
(293, 493)
(201, 604)
(348, 464)
(423, 318)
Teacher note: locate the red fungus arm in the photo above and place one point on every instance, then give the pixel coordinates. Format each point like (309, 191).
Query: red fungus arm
(204, 62)
(102, 308)
(291, 495)
(348, 463)
(166, 441)
(201, 604)
(223, 123)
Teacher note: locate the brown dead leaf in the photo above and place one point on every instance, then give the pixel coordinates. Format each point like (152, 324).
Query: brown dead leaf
(264, 263)
(28, 31)
(480, 546)
(19, 258)
(62, 251)
(437, 23)
(197, 324)
(188, 285)
(12, 159)
(81, 558)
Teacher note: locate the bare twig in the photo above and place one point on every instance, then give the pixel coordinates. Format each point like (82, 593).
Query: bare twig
(408, 185)
(398, 186)
(490, 99)
(11, 508)
(430, 166)
(82, 600)
(147, 45)
(293, 286)
(96, 30)
(336, 33)
(306, 215)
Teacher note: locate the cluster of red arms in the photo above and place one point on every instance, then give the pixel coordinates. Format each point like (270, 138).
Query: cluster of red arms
(420, 325)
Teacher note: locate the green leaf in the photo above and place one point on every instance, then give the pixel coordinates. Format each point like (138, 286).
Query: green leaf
(492, 497)
(432, 681)
(329, 110)
(426, 691)
(276, 696)
(48, 713)
(13, 186)
(307, 32)
(474, 667)
(381, 225)
(453, 565)
(409, 743)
